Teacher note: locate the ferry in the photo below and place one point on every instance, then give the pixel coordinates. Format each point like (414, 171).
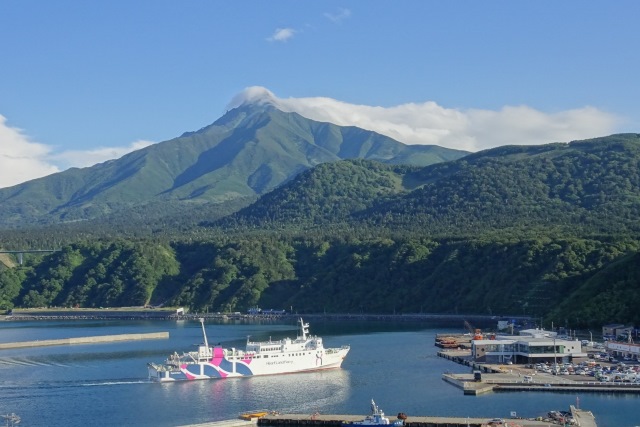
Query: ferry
(304, 353)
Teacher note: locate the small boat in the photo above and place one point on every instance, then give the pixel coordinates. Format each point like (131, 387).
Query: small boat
(248, 416)
(376, 418)
(303, 354)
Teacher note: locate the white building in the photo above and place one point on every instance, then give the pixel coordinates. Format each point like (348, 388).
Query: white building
(624, 349)
(532, 347)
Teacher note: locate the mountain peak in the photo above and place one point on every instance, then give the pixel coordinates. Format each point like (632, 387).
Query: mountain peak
(254, 95)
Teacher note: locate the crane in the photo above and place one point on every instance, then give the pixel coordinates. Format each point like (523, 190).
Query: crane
(475, 332)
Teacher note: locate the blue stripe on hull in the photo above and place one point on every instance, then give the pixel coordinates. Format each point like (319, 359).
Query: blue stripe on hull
(243, 369)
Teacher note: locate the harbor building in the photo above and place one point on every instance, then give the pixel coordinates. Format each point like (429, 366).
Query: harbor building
(614, 330)
(532, 346)
(626, 350)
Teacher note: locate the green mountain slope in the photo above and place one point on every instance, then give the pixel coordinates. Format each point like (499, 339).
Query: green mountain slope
(612, 295)
(589, 185)
(246, 153)
(328, 193)
(592, 184)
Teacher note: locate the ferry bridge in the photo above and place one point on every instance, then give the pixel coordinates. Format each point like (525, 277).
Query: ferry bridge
(27, 251)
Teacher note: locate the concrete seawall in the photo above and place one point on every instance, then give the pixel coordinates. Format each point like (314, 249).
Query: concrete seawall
(227, 423)
(86, 340)
(326, 420)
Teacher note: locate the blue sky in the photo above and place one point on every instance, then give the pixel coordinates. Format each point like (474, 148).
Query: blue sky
(84, 81)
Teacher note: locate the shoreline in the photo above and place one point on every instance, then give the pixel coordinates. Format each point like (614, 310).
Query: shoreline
(165, 314)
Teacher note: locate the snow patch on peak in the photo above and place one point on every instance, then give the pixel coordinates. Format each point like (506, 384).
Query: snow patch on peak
(254, 95)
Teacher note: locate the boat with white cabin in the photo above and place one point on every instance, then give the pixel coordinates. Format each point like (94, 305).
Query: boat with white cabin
(376, 418)
(304, 353)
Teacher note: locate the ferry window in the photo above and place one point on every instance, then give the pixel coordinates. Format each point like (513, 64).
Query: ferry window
(266, 355)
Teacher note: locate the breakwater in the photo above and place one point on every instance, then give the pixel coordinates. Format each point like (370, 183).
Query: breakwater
(85, 340)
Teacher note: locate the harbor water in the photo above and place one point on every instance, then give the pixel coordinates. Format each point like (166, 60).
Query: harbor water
(394, 363)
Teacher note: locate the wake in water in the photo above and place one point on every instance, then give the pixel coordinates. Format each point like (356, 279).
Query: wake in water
(60, 385)
(7, 362)
(119, 382)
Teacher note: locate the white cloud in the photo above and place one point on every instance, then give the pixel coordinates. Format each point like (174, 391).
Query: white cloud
(20, 158)
(414, 123)
(85, 158)
(23, 160)
(430, 123)
(339, 16)
(282, 35)
(253, 95)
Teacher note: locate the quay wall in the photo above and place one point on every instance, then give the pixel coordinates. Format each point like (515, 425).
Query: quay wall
(85, 340)
(464, 361)
(502, 380)
(318, 420)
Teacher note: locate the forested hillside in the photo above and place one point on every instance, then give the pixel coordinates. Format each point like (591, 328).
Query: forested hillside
(582, 187)
(549, 231)
(327, 194)
(577, 282)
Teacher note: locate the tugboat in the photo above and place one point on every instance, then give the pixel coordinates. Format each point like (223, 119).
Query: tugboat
(376, 418)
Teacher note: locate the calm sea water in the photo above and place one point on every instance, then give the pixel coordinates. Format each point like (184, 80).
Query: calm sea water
(393, 363)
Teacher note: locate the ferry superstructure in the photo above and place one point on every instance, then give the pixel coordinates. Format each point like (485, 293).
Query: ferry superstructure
(305, 353)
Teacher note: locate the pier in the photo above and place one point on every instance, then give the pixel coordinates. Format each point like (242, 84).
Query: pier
(85, 340)
(498, 378)
(582, 418)
(328, 420)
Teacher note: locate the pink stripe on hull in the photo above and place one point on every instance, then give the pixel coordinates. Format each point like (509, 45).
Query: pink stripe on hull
(218, 355)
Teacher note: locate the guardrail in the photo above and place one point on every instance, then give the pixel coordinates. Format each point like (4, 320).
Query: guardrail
(571, 383)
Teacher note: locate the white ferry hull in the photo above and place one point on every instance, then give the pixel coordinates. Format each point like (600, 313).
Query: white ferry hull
(295, 356)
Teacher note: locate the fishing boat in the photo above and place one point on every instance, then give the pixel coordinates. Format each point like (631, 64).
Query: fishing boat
(376, 418)
(304, 353)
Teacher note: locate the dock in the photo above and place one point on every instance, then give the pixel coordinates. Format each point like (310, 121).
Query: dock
(227, 423)
(453, 341)
(583, 419)
(85, 340)
(333, 420)
(497, 378)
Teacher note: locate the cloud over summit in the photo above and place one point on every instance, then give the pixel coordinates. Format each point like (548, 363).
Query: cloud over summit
(430, 123)
(22, 159)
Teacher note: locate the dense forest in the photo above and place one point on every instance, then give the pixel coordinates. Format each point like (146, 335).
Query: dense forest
(549, 231)
(574, 282)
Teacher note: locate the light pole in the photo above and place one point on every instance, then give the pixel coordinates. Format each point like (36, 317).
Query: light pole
(555, 360)
(590, 339)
